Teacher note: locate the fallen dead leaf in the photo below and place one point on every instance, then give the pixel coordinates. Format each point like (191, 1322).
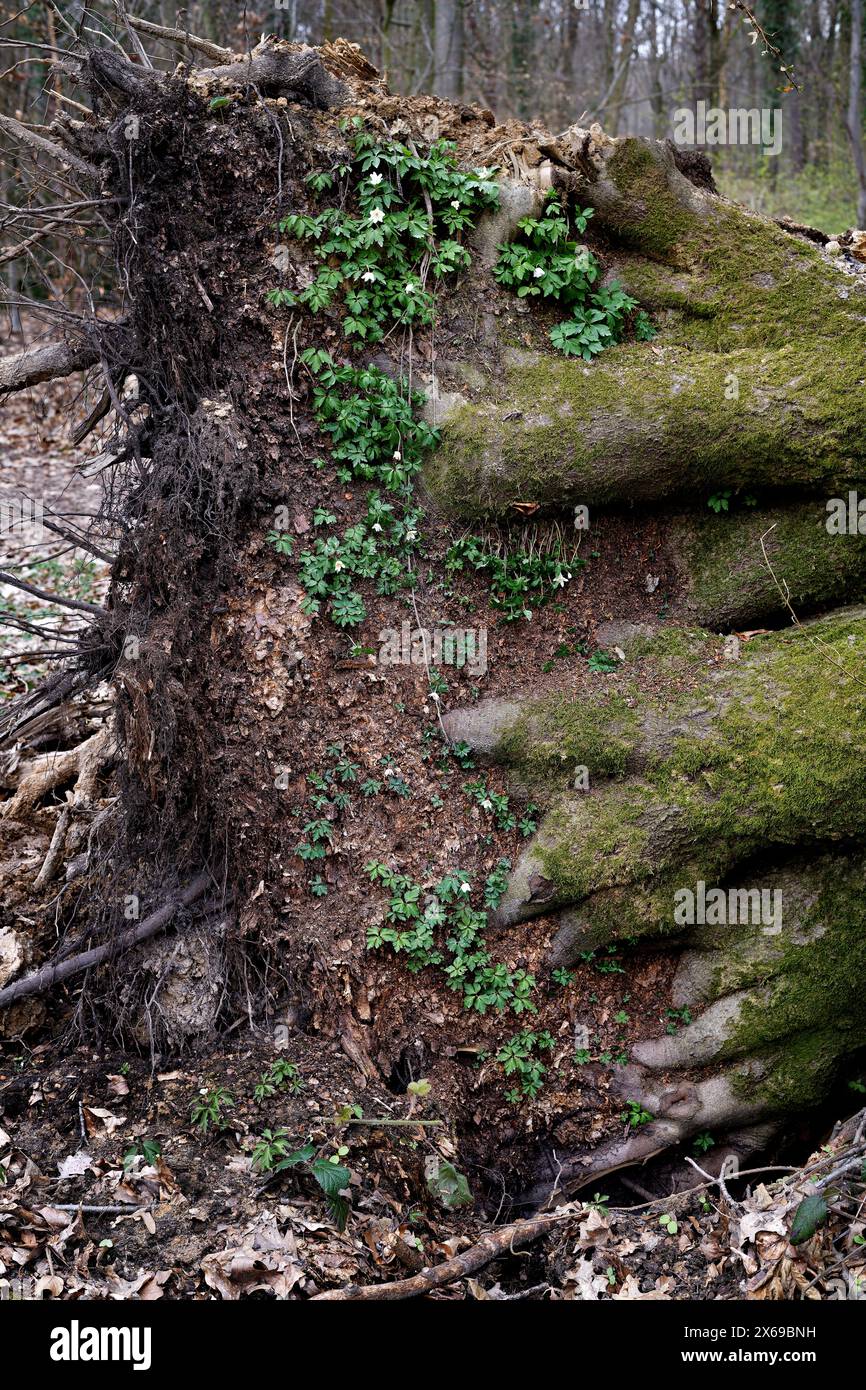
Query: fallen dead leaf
(75, 1164)
(99, 1122)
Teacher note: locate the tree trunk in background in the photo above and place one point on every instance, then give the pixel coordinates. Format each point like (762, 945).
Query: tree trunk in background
(656, 96)
(855, 106)
(385, 23)
(707, 52)
(522, 57)
(449, 49)
(422, 58)
(793, 135)
(610, 107)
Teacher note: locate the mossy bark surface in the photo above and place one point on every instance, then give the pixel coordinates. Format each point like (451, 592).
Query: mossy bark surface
(756, 379)
(747, 566)
(767, 754)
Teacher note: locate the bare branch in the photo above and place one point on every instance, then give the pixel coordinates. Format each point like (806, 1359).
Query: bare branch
(49, 147)
(81, 542)
(159, 31)
(78, 604)
(99, 411)
(15, 251)
(133, 36)
(44, 364)
(51, 634)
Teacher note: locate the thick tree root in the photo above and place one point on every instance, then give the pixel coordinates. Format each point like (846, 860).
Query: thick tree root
(749, 567)
(755, 382)
(50, 770)
(51, 975)
(707, 821)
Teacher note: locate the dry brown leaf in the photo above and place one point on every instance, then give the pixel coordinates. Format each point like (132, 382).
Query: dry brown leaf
(98, 1121)
(631, 1290)
(243, 1271)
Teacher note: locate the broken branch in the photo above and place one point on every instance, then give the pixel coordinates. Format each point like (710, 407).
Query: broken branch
(160, 31)
(489, 1248)
(55, 151)
(44, 364)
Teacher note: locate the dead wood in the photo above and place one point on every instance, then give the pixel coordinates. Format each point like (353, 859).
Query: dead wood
(22, 247)
(274, 73)
(51, 770)
(489, 1248)
(44, 364)
(87, 172)
(161, 31)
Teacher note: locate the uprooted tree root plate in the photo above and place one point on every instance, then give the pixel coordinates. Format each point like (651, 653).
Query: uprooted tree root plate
(275, 821)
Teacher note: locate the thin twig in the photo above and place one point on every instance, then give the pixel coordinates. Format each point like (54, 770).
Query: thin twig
(490, 1247)
(79, 605)
(90, 1210)
(786, 599)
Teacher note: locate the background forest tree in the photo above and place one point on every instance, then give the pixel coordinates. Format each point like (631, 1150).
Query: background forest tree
(629, 64)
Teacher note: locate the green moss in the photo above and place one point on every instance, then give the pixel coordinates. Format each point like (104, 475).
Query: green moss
(742, 299)
(730, 582)
(641, 178)
(816, 991)
(629, 427)
(735, 277)
(673, 650)
(554, 736)
(771, 288)
(796, 1076)
(770, 757)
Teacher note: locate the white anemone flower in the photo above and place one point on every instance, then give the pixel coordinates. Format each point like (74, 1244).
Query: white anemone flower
(377, 215)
